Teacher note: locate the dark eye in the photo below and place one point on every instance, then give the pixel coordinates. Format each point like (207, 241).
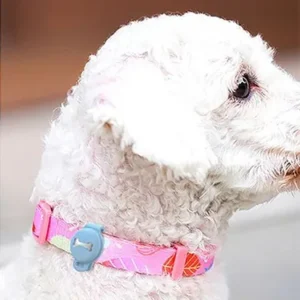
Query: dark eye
(243, 89)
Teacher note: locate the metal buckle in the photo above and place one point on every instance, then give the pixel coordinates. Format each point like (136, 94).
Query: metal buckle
(46, 215)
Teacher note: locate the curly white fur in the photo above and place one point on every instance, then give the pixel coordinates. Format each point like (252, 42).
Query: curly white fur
(153, 145)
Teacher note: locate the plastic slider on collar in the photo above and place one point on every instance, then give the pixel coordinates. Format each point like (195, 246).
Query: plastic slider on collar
(179, 262)
(46, 212)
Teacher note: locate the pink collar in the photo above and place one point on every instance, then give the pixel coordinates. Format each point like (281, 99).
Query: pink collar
(89, 245)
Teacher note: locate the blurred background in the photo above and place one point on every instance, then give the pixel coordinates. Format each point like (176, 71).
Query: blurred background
(44, 46)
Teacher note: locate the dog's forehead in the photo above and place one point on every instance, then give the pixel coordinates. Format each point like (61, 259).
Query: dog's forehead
(227, 42)
(203, 37)
(232, 43)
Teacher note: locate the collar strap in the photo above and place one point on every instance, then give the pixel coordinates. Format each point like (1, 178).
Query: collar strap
(89, 245)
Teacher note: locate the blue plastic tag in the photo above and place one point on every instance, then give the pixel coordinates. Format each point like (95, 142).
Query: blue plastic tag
(86, 246)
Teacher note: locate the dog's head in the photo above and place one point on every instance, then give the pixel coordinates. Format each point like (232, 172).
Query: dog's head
(201, 96)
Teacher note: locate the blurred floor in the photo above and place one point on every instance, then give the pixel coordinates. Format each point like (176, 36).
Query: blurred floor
(262, 262)
(262, 252)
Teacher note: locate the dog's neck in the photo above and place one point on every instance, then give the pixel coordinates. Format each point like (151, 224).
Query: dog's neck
(130, 196)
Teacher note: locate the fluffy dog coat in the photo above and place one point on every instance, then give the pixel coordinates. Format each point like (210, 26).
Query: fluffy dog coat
(154, 145)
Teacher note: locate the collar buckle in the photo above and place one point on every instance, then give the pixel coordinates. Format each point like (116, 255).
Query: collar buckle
(46, 212)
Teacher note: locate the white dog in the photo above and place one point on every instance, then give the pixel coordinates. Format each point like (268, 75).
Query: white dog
(176, 123)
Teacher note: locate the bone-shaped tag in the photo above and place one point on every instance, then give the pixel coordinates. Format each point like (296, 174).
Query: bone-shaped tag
(88, 246)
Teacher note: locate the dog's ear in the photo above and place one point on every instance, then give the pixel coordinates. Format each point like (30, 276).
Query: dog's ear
(143, 112)
(173, 143)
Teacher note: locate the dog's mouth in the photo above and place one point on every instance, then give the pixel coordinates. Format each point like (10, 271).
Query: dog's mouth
(288, 169)
(290, 176)
(287, 173)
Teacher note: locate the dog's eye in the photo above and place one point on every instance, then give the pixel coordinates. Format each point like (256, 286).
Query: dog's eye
(243, 89)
